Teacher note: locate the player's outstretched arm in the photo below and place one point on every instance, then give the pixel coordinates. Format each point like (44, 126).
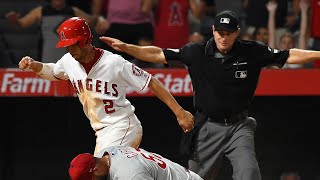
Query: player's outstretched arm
(45, 70)
(184, 118)
(151, 54)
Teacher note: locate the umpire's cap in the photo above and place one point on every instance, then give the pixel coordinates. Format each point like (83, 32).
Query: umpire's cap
(81, 167)
(226, 20)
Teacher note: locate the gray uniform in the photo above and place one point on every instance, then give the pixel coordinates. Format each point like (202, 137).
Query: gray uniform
(129, 163)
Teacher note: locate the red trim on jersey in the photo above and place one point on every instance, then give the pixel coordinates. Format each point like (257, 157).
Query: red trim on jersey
(147, 82)
(97, 55)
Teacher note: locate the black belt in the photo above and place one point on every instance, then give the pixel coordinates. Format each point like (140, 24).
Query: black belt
(228, 119)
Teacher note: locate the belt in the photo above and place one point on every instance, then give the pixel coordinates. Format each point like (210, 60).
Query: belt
(228, 119)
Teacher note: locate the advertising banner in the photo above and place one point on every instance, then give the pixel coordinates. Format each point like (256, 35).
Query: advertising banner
(298, 82)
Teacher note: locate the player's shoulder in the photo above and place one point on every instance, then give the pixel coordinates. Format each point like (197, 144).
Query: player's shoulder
(67, 59)
(110, 57)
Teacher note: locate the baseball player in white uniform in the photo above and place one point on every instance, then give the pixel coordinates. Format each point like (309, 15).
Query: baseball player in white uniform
(100, 79)
(127, 163)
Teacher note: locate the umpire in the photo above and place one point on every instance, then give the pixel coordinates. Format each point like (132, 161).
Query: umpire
(224, 73)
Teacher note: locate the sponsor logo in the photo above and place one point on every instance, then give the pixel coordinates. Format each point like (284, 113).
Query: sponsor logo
(18, 83)
(12, 84)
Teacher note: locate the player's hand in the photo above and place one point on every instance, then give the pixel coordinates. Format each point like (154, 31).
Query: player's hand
(29, 63)
(185, 120)
(114, 43)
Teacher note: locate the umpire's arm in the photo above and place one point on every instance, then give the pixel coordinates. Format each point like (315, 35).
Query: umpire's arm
(300, 56)
(147, 53)
(151, 54)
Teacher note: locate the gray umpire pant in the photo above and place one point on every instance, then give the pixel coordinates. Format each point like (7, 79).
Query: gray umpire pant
(235, 141)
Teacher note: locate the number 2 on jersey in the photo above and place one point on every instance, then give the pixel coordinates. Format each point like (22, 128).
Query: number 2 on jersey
(108, 106)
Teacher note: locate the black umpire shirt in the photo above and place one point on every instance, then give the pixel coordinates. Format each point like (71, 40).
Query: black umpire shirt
(224, 84)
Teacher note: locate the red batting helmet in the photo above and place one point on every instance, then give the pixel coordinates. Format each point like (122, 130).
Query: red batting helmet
(73, 30)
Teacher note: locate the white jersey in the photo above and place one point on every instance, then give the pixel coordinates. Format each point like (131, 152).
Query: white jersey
(129, 163)
(102, 91)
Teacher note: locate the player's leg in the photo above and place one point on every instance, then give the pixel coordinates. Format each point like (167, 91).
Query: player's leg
(133, 135)
(241, 152)
(127, 132)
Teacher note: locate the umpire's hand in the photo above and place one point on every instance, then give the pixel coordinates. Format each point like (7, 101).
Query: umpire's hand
(114, 43)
